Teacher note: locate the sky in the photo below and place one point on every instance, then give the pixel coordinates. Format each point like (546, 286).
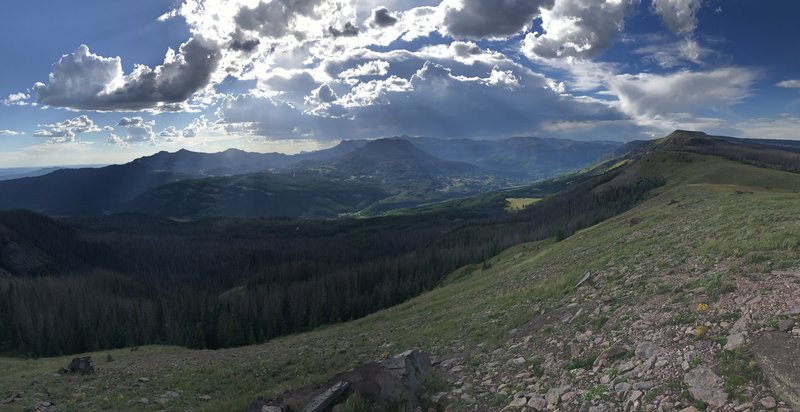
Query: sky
(99, 82)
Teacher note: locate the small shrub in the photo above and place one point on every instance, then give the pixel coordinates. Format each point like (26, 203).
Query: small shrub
(434, 383)
(721, 340)
(738, 369)
(535, 366)
(731, 316)
(498, 400)
(598, 392)
(583, 362)
(682, 318)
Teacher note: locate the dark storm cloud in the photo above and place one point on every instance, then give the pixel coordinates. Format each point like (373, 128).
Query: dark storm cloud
(86, 81)
(242, 42)
(381, 18)
(487, 19)
(273, 19)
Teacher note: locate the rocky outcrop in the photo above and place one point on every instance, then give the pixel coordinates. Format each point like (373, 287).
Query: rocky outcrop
(385, 385)
(778, 356)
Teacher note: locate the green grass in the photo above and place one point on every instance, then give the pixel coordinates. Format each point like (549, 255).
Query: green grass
(697, 226)
(356, 403)
(583, 362)
(738, 370)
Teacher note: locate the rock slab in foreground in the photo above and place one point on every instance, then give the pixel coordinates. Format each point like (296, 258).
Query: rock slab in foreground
(327, 398)
(386, 384)
(778, 356)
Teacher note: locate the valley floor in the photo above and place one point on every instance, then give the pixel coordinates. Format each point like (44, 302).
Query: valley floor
(672, 282)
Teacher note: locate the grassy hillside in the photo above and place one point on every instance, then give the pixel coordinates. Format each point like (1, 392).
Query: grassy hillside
(718, 230)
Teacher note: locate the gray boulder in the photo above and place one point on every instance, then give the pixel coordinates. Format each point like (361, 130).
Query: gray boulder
(778, 357)
(79, 366)
(706, 386)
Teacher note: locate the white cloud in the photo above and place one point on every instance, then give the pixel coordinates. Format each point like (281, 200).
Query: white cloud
(669, 55)
(169, 132)
(582, 74)
(68, 130)
(83, 80)
(680, 16)
(578, 28)
(372, 68)
(649, 95)
(17, 99)
(784, 126)
(137, 130)
(789, 84)
(197, 126)
(6, 132)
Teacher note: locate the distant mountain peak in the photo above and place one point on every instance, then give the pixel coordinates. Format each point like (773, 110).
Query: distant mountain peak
(682, 135)
(393, 148)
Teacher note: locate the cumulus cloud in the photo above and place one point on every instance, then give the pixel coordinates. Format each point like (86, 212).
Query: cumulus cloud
(17, 99)
(324, 94)
(6, 132)
(680, 16)
(650, 95)
(789, 84)
(349, 30)
(482, 19)
(578, 28)
(137, 130)
(86, 81)
(67, 131)
(500, 102)
(381, 17)
(371, 68)
(277, 18)
(170, 131)
(196, 126)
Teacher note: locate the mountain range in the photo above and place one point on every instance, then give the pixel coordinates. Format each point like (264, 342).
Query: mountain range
(353, 177)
